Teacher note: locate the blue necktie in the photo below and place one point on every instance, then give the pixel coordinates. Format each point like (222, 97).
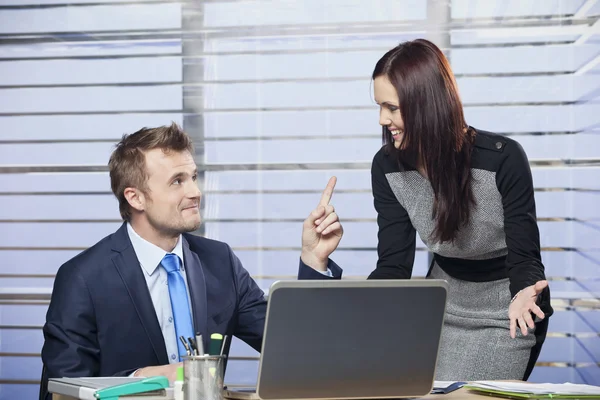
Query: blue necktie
(179, 301)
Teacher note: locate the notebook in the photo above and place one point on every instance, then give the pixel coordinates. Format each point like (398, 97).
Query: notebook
(110, 388)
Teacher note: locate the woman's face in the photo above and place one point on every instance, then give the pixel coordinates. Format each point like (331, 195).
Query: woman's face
(389, 108)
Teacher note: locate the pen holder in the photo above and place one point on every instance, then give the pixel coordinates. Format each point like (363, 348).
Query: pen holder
(203, 377)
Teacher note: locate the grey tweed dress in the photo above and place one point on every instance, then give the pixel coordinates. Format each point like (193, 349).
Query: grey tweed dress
(476, 342)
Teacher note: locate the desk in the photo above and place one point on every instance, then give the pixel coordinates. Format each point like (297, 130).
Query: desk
(462, 394)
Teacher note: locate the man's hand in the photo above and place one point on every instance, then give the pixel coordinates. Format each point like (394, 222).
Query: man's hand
(321, 231)
(522, 306)
(169, 370)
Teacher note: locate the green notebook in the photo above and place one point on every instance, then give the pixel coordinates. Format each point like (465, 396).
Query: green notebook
(153, 384)
(524, 390)
(109, 388)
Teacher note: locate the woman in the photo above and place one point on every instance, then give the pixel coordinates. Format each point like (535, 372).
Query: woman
(469, 195)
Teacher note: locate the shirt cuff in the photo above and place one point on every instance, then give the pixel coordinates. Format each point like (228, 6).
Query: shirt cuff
(327, 273)
(306, 272)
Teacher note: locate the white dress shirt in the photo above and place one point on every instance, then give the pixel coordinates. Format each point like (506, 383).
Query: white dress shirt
(150, 256)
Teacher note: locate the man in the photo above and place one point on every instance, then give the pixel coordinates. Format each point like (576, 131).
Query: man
(118, 308)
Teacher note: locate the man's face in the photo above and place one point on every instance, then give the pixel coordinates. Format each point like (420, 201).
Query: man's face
(172, 199)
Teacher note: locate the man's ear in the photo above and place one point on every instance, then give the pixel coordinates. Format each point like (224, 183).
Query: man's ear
(135, 198)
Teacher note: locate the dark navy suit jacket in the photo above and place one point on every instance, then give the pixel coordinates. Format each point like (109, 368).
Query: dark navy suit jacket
(101, 320)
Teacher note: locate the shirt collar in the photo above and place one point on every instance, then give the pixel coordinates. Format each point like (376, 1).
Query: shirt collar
(148, 254)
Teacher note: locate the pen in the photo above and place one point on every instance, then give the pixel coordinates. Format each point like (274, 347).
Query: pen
(199, 344)
(215, 344)
(193, 347)
(187, 348)
(223, 345)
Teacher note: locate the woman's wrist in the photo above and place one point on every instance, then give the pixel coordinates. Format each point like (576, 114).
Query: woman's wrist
(515, 296)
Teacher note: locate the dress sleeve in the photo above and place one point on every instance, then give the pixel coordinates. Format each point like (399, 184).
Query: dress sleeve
(515, 183)
(396, 235)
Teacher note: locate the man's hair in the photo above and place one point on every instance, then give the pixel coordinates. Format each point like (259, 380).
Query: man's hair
(127, 164)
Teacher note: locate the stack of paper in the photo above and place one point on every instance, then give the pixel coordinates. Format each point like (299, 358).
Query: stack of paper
(536, 390)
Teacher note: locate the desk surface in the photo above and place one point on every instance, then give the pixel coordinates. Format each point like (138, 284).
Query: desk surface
(462, 394)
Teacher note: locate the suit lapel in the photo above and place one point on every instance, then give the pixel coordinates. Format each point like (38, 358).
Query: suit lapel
(197, 286)
(128, 267)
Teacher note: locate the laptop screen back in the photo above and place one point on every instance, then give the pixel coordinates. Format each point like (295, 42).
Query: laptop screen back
(351, 339)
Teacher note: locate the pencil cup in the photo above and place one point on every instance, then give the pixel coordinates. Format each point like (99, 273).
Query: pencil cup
(203, 377)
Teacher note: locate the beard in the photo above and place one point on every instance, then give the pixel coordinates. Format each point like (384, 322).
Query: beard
(174, 226)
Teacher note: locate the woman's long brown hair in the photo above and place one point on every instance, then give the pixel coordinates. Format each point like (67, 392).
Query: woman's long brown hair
(436, 136)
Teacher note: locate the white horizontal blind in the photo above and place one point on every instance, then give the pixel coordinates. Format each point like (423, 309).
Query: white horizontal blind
(287, 103)
(73, 78)
(278, 98)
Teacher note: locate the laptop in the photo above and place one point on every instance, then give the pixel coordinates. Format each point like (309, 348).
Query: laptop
(349, 340)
